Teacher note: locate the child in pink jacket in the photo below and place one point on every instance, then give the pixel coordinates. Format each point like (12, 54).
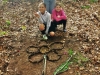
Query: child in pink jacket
(59, 17)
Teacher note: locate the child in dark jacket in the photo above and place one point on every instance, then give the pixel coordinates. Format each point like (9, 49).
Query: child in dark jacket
(59, 17)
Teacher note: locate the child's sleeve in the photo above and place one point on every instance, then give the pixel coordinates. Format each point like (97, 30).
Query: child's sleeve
(54, 16)
(63, 16)
(39, 18)
(48, 23)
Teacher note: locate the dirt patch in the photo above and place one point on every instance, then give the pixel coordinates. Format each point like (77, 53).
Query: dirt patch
(83, 34)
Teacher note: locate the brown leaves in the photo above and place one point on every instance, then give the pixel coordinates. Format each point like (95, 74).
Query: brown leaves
(83, 27)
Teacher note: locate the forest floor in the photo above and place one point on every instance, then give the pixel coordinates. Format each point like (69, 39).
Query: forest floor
(19, 33)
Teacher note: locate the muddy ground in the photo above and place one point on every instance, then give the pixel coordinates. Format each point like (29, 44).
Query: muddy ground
(83, 35)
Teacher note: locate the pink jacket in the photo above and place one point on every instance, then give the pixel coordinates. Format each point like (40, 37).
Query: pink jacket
(61, 13)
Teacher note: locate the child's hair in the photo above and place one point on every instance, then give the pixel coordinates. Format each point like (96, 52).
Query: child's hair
(58, 4)
(42, 4)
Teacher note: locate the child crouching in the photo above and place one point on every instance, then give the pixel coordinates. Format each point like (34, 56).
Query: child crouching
(58, 16)
(45, 24)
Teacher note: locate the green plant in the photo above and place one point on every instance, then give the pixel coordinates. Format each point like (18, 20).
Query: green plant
(2, 33)
(75, 0)
(93, 1)
(23, 28)
(8, 23)
(63, 67)
(80, 59)
(85, 7)
(75, 57)
(5, 1)
(70, 52)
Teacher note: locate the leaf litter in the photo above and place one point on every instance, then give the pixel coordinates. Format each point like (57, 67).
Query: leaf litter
(19, 29)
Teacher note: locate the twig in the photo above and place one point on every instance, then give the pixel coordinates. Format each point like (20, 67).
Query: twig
(44, 65)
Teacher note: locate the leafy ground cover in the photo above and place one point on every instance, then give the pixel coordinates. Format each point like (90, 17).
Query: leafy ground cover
(19, 30)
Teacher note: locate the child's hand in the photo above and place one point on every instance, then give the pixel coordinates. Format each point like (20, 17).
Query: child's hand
(58, 16)
(36, 15)
(41, 27)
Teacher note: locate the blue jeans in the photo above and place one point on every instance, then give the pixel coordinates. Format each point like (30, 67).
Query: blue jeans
(50, 4)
